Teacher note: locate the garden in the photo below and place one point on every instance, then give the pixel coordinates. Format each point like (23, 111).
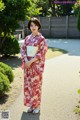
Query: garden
(11, 74)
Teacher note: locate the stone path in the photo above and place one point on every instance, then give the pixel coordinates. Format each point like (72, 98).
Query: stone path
(60, 84)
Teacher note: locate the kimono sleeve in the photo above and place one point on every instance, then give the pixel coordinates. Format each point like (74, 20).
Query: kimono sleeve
(43, 47)
(23, 51)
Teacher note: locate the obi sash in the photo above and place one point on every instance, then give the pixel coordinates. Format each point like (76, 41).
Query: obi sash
(31, 50)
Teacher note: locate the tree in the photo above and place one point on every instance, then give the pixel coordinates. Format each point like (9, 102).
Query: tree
(64, 9)
(33, 10)
(60, 9)
(52, 7)
(1, 5)
(15, 11)
(44, 5)
(76, 7)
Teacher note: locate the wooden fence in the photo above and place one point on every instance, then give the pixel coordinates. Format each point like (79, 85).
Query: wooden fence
(55, 27)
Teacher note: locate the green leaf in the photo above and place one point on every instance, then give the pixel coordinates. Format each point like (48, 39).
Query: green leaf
(1, 5)
(79, 91)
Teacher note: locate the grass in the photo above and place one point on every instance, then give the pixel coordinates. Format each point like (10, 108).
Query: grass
(77, 109)
(17, 84)
(54, 52)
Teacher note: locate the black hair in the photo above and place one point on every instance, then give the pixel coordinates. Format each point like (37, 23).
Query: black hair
(35, 21)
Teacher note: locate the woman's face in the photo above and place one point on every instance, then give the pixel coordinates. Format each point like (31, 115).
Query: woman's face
(33, 27)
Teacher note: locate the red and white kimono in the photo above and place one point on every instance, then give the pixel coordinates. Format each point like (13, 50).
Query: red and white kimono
(33, 76)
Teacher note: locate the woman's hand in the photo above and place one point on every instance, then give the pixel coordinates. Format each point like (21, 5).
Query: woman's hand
(28, 64)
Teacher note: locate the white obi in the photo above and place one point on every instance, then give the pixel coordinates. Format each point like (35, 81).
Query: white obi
(31, 50)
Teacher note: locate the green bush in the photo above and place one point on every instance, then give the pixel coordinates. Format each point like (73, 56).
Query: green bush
(4, 84)
(10, 46)
(7, 70)
(2, 70)
(78, 21)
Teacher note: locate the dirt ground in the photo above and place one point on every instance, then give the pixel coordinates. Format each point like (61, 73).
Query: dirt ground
(15, 86)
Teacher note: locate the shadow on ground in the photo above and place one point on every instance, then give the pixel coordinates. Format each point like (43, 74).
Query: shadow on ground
(70, 45)
(30, 116)
(13, 61)
(58, 49)
(3, 99)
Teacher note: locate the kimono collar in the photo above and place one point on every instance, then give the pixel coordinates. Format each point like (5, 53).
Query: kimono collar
(35, 35)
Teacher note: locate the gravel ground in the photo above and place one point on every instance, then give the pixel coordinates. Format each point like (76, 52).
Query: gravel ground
(60, 84)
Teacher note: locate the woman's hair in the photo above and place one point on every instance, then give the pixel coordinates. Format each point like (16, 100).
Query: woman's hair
(35, 21)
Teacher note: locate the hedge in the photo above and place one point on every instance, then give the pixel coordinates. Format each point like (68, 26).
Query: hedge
(7, 70)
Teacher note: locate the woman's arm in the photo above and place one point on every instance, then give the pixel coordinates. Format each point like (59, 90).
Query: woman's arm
(43, 47)
(23, 51)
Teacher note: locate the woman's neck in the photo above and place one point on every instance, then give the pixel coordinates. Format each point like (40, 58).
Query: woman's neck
(34, 34)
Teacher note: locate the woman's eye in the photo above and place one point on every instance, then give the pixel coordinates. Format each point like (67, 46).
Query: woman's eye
(33, 26)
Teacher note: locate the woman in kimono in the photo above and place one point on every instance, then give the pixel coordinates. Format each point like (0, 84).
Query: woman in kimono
(33, 52)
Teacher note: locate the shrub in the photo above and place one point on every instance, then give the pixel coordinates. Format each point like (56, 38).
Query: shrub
(4, 84)
(7, 70)
(10, 46)
(2, 70)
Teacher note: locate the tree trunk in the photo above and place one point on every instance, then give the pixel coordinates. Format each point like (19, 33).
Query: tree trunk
(2, 41)
(52, 5)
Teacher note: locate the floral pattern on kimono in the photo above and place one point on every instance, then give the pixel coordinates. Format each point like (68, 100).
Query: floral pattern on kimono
(33, 76)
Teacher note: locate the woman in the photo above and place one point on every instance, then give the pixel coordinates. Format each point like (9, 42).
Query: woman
(33, 53)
